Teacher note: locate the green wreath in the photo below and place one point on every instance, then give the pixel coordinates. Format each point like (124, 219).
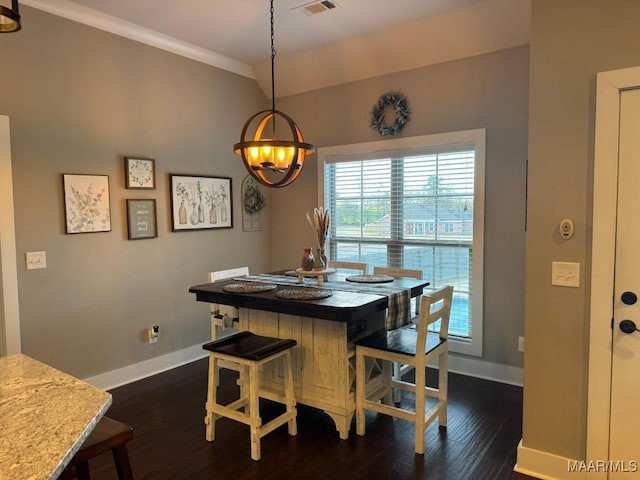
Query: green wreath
(400, 105)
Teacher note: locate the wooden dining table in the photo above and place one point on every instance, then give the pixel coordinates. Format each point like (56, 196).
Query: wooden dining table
(45, 415)
(325, 330)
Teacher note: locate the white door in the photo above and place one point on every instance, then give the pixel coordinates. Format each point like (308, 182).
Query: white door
(624, 437)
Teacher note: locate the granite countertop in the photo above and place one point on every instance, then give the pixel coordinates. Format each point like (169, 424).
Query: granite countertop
(45, 415)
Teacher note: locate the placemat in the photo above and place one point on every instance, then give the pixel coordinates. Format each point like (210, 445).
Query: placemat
(303, 293)
(369, 278)
(249, 287)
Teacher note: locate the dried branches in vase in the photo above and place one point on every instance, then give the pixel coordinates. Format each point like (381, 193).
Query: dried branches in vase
(319, 222)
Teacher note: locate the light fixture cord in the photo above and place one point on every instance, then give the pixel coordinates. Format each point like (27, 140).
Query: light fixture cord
(273, 56)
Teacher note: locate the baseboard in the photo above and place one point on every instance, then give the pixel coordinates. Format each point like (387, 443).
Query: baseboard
(546, 466)
(147, 368)
(487, 370)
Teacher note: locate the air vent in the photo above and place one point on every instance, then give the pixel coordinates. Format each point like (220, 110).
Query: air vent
(316, 7)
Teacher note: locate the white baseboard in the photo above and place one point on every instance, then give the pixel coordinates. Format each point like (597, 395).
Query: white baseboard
(487, 370)
(545, 466)
(153, 366)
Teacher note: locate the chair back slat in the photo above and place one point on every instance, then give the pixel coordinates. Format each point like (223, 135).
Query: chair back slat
(436, 305)
(357, 266)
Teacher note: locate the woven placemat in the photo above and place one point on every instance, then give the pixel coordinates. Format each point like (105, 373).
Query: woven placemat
(249, 287)
(303, 293)
(369, 278)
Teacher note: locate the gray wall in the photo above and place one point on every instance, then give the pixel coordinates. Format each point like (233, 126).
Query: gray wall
(82, 99)
(79, 99)
(571, 41)
(488, 91)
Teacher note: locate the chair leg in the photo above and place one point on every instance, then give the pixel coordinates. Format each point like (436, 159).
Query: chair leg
(443, 385)
(292, 425)
(254, 412)
(420, 404)
(121, 460)
(82, 470)
(360, 416)
(210, 418)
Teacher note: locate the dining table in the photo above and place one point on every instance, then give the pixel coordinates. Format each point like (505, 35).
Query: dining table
(45, 416)
(324, 320)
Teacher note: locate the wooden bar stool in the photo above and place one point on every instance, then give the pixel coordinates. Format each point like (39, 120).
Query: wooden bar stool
(250, 352)
(109, 434)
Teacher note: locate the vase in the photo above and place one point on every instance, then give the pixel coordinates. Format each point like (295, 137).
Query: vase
(307, 262)
(182, 214)
(320, 261)
(223, 212)
(213, 216)
(200, 212)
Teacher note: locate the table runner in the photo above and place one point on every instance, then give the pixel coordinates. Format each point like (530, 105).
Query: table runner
(398, 298)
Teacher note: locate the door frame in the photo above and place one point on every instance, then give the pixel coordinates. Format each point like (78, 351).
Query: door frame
(9, 314)
(609, 86)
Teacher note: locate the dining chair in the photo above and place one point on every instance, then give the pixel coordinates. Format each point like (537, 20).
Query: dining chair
(223, 317)
(416, 347)
(400, 370)
(357, 266)
(401, 272)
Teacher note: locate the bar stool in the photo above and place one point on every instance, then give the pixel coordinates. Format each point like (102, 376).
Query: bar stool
(250, 352)
(109, 434)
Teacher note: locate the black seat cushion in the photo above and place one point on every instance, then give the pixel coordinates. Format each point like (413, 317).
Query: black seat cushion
(400, 340)
(249, 346)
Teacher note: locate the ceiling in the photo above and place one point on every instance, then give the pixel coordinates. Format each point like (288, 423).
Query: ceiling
(235, 34)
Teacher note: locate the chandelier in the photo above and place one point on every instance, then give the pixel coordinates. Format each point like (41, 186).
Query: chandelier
(9, 18)
(272, 161)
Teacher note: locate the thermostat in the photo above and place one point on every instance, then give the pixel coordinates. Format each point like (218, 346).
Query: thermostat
(566, 229)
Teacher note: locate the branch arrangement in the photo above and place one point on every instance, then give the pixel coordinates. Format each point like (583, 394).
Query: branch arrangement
(319, 222)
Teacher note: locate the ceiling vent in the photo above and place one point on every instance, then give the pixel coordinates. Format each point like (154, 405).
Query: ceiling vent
(316, 7)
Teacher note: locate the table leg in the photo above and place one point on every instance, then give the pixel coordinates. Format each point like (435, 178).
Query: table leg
(343, 423)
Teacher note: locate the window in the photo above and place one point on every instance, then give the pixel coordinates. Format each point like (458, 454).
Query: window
(414, 203)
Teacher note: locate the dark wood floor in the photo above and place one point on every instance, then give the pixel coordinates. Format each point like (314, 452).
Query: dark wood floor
(167, 412)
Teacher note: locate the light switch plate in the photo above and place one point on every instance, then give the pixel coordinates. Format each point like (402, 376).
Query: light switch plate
(565, 274)
(35, 260)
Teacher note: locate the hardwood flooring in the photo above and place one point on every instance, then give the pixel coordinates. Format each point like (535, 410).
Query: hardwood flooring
(167, 411)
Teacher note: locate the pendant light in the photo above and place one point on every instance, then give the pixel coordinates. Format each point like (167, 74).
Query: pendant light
(272, 161)
(10, 18)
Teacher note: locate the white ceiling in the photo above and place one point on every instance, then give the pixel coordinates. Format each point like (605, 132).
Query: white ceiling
(235, 34)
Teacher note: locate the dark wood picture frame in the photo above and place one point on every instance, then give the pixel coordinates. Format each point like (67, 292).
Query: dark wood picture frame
(200, 202)
(140, 173)
(142, 219)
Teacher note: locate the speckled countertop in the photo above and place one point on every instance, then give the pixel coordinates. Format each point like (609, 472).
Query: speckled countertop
(45, 415)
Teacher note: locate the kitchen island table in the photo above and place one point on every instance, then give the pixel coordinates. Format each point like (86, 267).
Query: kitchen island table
(325, 329)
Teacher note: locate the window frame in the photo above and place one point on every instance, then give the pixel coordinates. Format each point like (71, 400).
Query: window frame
(466, 139)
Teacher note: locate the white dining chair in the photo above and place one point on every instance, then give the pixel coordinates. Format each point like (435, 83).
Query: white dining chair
(359, 267)
(398, 369)
(223, 317)
(415, 347)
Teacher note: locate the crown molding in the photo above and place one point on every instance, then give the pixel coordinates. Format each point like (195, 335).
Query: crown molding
(108, 23)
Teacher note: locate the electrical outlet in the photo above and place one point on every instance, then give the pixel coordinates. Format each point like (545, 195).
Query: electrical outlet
(521, 344)
(35, 260)
(154, 333)
(565, 274)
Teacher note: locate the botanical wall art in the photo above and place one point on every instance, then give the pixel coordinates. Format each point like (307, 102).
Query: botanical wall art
(253, 203)
(141, 219)
(140, 173)
(200, 202)
(86, 203)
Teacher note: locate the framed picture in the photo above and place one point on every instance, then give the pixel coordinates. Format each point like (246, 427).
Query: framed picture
(140, 173)
(253, 204)
(200, 202)
(86, 203)
(141, 219)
